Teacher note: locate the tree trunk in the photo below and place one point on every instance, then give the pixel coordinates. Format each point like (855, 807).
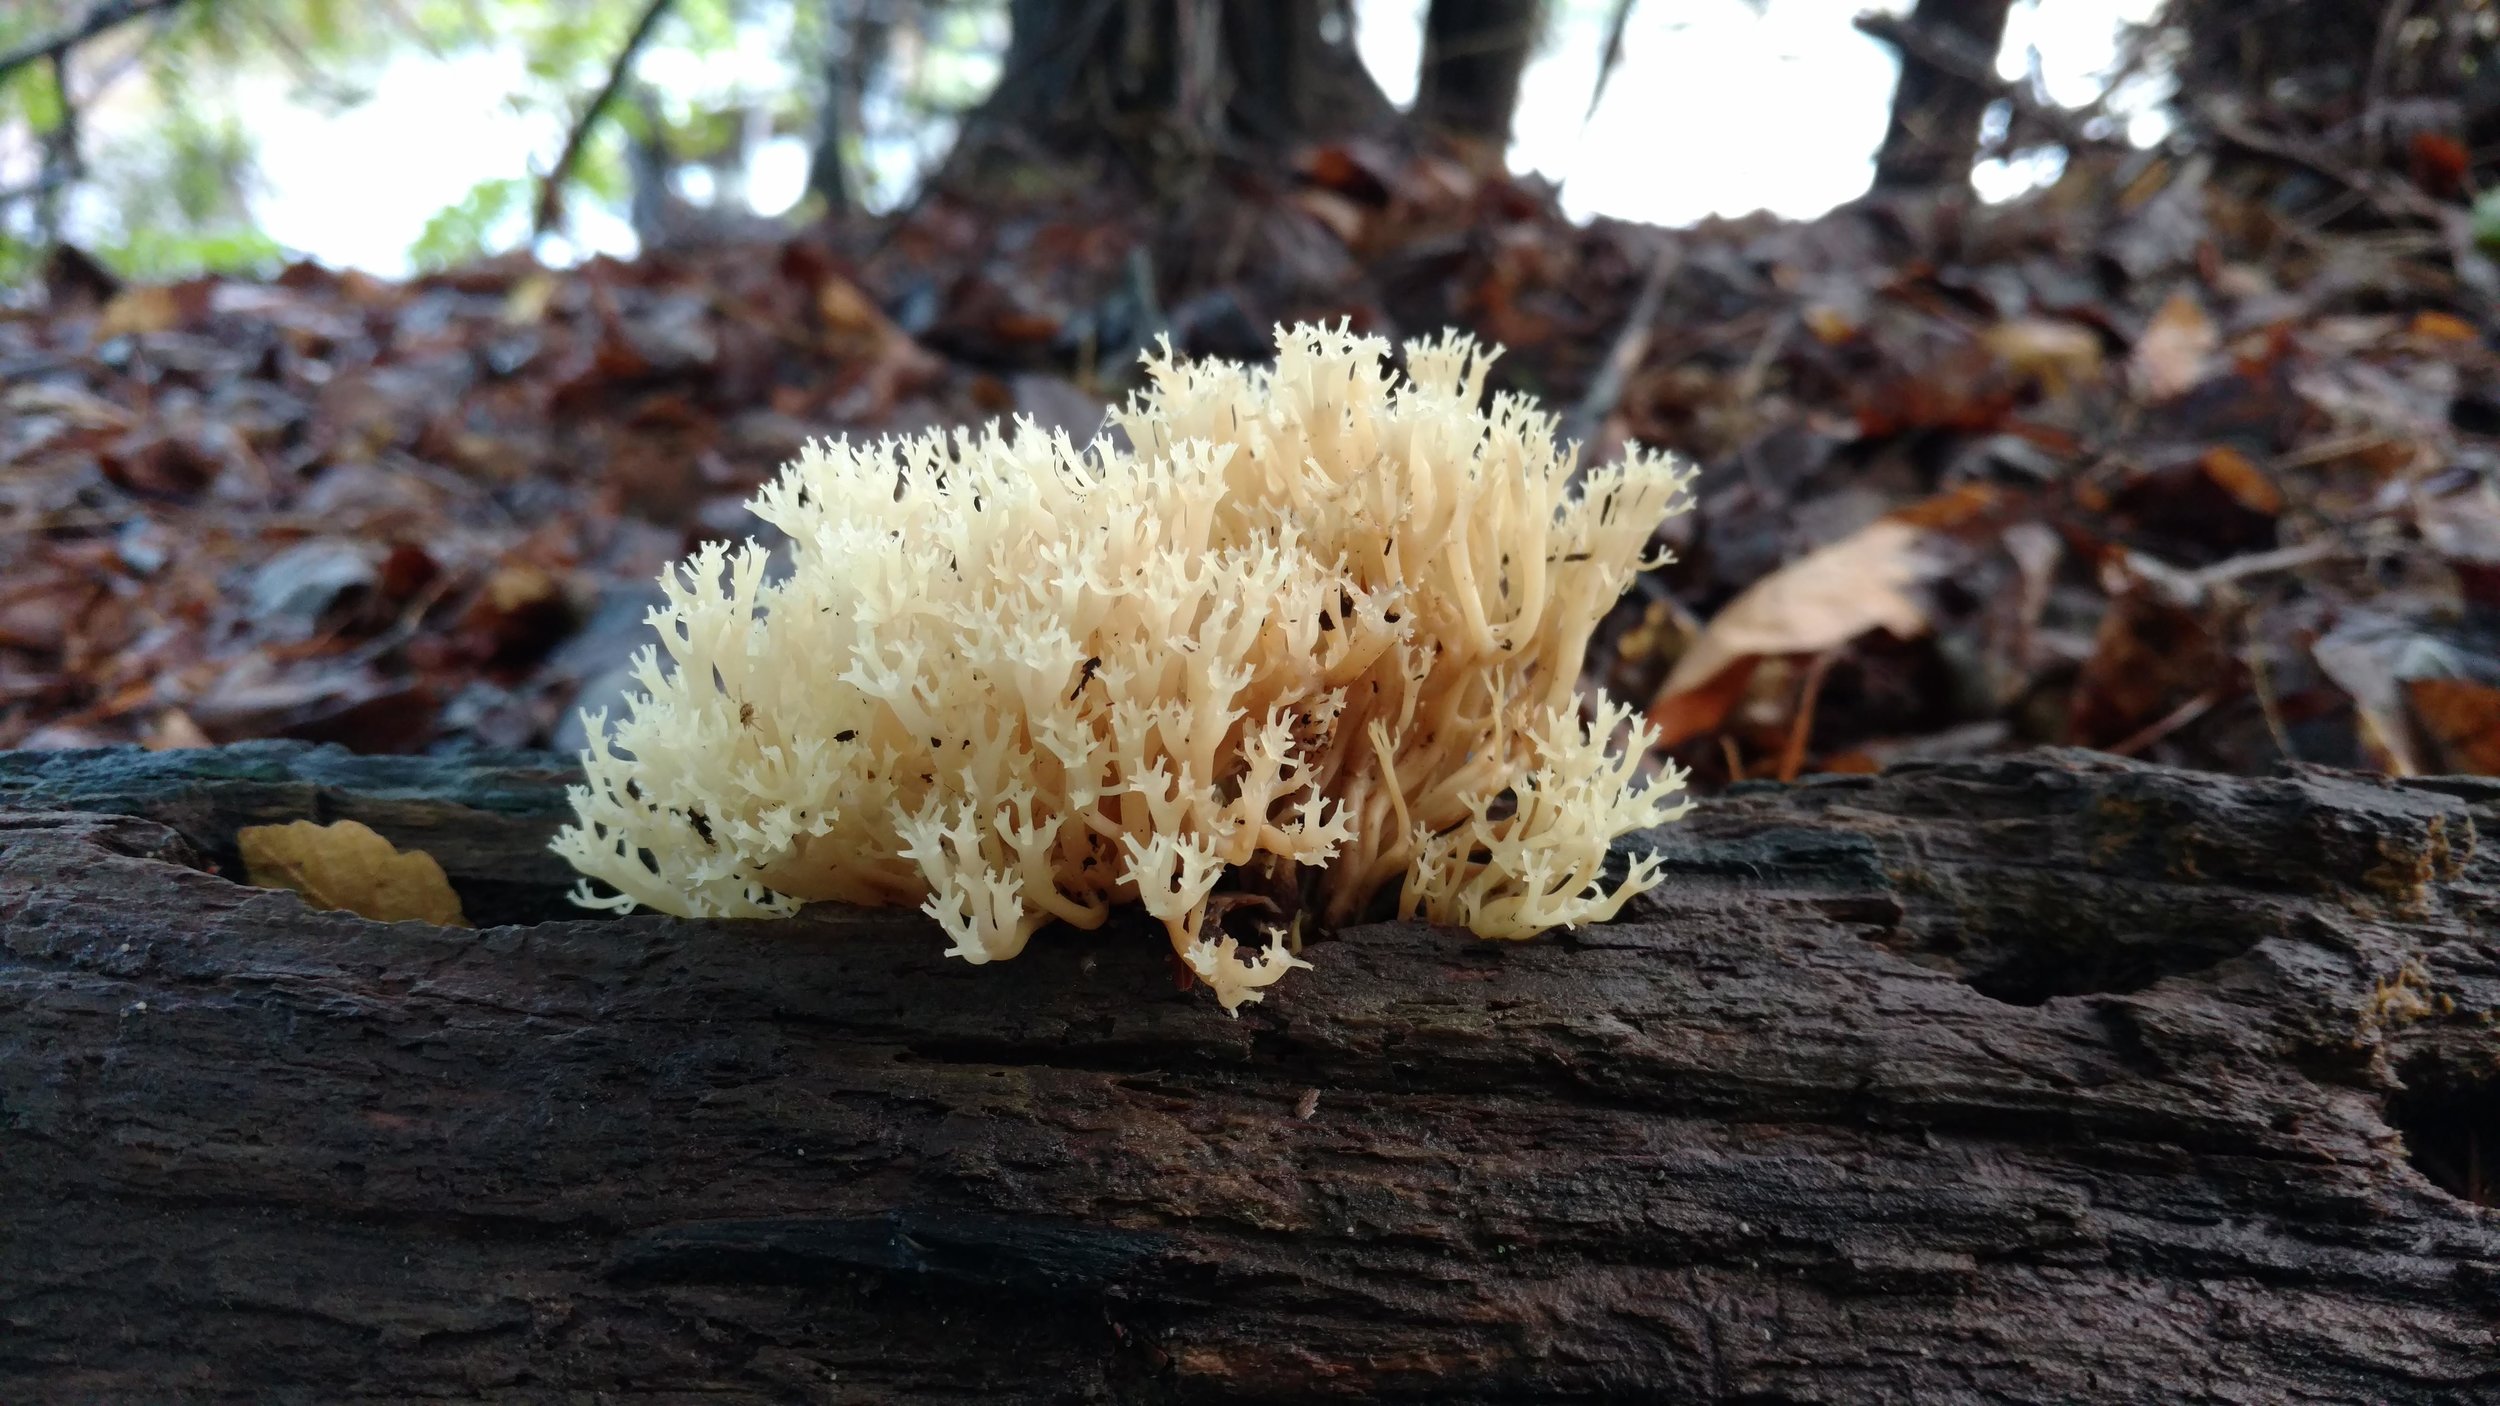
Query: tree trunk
(1474, 54)
(1157, 80)
(2053, 1078)
(858, 34)
(1933, 138)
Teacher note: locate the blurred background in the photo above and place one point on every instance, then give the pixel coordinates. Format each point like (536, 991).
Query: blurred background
(397, 138)
(2109, 373)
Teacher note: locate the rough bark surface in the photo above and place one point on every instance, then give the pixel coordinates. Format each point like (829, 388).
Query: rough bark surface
(1933, 137)
(1475, 52)
(2052, 1079)
(1216, 74)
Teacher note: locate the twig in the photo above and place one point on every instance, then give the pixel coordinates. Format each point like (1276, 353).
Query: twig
(2374, 92)
(2269, 707)
(61, 152)
(2328, 451)
(1624, 358)
(2259, 563)
(108, 15)
(2166, 724)
(306, 69)
(1609, 57)
(551, 190)
(2389, 196)
(1793, 756)
(50, 179)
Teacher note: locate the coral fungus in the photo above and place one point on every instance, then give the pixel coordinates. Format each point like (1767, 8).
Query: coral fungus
(1322, 618)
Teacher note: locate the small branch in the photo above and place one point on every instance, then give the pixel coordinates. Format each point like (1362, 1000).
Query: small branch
(1609, 57)
(109, 15)
(2387, 195)
(1793, 756)
(551, 190)
(63, 163)
(42, 185)
(1624, 358)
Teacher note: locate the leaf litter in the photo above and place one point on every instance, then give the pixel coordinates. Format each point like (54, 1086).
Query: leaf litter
(2146, 461)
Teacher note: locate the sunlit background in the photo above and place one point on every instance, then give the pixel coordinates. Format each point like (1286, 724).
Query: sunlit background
(412, 158)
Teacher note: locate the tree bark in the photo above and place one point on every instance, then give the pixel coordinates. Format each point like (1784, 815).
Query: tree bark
(1163, 80)
(858, 35)
(2046, 1079)
(1933, 137)
(1475, 52)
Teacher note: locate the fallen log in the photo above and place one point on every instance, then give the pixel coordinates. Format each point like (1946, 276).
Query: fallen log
(2044, 1079)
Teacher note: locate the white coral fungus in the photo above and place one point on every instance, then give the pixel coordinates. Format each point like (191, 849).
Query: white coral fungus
(1321, 613)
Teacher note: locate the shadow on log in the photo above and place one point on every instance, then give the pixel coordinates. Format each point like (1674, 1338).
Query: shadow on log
(2052, 1078)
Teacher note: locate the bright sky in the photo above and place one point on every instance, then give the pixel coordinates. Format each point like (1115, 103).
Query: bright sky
(1719, 107)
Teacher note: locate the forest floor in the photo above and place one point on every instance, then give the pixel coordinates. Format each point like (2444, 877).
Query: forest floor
(2150, 462)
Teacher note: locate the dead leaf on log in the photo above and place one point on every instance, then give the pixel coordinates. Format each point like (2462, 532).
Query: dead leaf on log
(1821, 601)
(345, 865)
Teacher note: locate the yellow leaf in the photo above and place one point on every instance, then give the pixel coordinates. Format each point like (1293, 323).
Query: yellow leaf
(346, 865)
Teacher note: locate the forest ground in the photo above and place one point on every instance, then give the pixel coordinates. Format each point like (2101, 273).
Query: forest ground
(2164, 460)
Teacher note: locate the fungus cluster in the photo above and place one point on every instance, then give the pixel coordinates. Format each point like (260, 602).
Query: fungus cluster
(1320, 620)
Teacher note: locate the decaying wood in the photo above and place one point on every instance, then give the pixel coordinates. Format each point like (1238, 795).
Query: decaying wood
(2053, 1079)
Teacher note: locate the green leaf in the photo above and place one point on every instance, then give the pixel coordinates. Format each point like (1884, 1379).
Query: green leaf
(2487, 221)
(485, 221)
(158, 255)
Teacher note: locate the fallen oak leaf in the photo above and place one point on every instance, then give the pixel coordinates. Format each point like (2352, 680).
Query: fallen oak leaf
(1820, 601)
(345, 865)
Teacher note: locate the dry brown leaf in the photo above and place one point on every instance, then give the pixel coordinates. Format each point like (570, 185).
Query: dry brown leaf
(2170, 357)
(133, 311)
(514, 588)
(1694, 712)
(346, 865)
(1820, 601)
(2463, 718)
(2053, 354)
(2240, 477)
(2444, 327)
(2149, 657)
(1343, 217)
(1830, 325)
(527, 303)
(175, 731)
